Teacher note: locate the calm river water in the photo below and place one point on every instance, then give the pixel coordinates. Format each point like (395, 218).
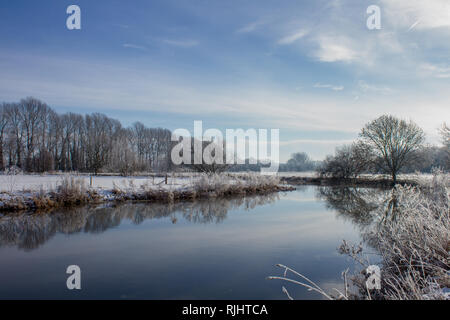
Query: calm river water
(216, 249)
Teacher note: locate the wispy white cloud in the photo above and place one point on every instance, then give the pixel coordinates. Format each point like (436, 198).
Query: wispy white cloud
(418, 14)
(441, 72)
(251, 27)
(365, 87)
(414, 25)
(289, 39)
(332, 49)
(329, 86)
(181, 43)
(133, 46)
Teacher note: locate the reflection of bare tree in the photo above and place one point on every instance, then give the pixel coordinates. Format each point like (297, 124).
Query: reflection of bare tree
(216, 211)
(356, 204)
(391, 206)
(29, 231)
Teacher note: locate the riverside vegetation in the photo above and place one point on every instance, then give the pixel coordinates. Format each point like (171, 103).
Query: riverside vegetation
(72, 190)
(410, 231)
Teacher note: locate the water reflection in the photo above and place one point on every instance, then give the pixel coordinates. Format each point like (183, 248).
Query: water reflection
(216, 249)
(354, 204)
(366, 208)
(391, 207)
(29, 231)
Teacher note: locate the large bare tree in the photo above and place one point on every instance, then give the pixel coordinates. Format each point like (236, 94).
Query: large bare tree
(394, 141)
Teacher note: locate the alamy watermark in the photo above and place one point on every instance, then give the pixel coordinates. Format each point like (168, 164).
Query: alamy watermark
(373, 280)
(374, 19)
(73, 21)
(74, 280)
(235, 147)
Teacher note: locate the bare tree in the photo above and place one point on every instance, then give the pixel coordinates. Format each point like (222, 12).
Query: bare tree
(30, 111)
(348, 162)
(101, 132)
(44, 158)
(123, 157)
(394, 141)
(16, 131)
(3, 126)
(139, 132)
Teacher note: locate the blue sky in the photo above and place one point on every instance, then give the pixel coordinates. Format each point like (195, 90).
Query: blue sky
(309, 68)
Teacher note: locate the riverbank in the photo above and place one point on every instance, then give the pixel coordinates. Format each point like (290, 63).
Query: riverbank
(412, 237)
(48, 181)
(72, 190)
(369, 181)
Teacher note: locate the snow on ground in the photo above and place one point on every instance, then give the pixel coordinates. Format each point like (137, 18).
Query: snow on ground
(24, 182)
(49, 182)
(306, 174)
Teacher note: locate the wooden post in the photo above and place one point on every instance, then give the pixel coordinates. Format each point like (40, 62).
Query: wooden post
(90, 180)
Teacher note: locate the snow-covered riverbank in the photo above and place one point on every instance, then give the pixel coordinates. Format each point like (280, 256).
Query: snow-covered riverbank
(29, 192)
(34, 182)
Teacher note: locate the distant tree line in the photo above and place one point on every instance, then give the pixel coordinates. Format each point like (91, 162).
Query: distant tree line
(299, 162)
(34, 138)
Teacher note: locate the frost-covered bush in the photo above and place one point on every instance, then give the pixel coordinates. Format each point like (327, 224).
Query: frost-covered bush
(223, 184)
(71, 189)
(411, 233)
(413, 238)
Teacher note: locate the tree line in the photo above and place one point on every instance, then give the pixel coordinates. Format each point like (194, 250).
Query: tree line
(390, 146)
(34, 138)
(386, 145)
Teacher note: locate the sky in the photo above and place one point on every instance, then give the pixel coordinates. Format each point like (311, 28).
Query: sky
(310, 68)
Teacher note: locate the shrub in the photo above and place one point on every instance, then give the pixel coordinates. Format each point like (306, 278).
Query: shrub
(348, 162)
(71, 190)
